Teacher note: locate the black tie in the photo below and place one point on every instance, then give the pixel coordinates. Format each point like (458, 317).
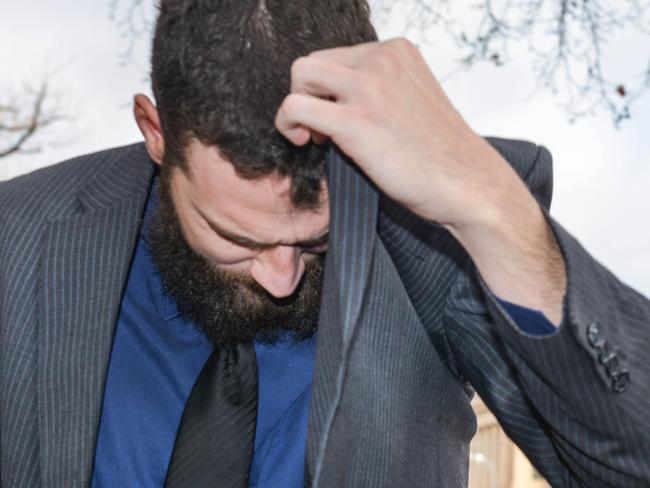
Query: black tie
(214, 443)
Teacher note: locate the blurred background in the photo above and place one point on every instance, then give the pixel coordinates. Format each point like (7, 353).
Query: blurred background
(572, 75)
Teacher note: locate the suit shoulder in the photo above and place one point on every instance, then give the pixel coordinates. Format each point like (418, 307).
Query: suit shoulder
(52, 188)
(532, 162)
(521, 154)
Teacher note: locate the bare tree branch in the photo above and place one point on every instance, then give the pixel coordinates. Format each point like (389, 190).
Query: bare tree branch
(134, 20)
(566, 41)
(18, 126)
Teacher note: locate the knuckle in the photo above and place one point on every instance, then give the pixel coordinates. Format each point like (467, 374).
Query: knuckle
(298, 66)
(286, 112)
(389, 58)
(407, 44)
(292, 104)
(399, 44)
(403, 46)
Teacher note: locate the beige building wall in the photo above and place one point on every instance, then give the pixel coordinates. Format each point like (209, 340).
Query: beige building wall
(495, 462)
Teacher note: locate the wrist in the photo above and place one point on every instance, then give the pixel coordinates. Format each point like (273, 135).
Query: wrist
(485, 194)
(492, 210)
(516, 253)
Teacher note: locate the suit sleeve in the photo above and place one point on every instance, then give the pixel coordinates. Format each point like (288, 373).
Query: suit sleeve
(576, 401)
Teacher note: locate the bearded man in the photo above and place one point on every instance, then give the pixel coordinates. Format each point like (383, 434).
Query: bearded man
(300, 279)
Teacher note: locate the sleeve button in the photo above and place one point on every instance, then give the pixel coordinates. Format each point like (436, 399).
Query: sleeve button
(612, 366)
(604, 354)
(593, 334)
(621, 381)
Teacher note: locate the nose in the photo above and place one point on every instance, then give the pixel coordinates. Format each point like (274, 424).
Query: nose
(278, 270)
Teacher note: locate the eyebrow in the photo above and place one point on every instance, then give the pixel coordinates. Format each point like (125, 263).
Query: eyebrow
(247, 242)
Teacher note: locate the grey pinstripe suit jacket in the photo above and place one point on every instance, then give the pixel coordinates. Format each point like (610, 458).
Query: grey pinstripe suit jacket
(406, 326)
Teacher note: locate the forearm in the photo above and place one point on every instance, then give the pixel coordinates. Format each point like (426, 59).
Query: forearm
(588, 381)
(515, 250)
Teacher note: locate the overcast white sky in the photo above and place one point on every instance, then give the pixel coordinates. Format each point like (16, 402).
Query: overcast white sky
(601, 174)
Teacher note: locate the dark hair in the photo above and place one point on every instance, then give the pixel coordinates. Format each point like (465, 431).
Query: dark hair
(221, 69)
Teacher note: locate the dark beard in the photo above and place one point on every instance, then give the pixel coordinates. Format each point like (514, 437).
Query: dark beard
(230, 307)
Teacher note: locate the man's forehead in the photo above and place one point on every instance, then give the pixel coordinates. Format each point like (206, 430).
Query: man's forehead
(211, 173)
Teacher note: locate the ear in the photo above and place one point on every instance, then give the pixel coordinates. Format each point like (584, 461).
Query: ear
(146, 116)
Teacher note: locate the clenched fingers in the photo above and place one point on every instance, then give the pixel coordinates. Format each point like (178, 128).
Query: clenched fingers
(300, 113)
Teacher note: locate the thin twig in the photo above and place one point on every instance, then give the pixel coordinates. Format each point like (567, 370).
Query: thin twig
(27, 126)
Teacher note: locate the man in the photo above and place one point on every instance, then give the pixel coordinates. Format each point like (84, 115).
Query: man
(173, 327)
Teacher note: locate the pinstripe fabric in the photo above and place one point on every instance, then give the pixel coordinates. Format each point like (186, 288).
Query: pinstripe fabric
(601, 436)
(79, 297)
(407, 330)
(578, 432)
(346, 275)
(398, 398)
(68, 232)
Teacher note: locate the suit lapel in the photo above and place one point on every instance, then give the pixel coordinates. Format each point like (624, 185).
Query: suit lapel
(353, 221)
(85, 261)
(353, 230)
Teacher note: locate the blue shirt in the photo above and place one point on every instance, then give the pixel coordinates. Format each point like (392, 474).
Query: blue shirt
(156, 358)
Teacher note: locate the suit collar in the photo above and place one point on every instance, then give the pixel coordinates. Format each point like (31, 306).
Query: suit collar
(122, 176)
(353, 230)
